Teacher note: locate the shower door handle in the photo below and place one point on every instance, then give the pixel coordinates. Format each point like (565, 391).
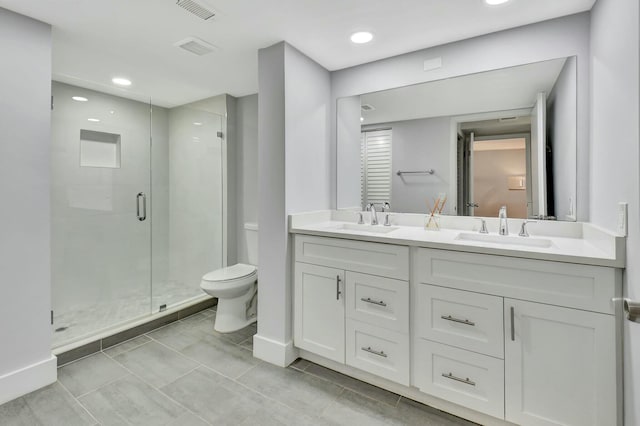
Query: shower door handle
(143, 196)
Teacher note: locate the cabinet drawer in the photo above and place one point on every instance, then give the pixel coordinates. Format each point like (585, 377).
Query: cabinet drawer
(466, 378)
(585, 287)
(380, 301)
(385, 260)
(460, 318)
(378, 351)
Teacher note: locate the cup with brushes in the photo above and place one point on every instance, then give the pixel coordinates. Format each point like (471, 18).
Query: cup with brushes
(432, 220)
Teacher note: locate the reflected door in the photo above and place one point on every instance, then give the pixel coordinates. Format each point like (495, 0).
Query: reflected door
(101, 228)
(538, 157)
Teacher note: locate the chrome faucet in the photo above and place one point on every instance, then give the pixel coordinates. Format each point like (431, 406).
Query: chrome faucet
(374, 216)
(483, 226)
(523, 229)
(504, 226)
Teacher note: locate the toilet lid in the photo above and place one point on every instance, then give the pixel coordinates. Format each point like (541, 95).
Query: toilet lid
(229, 273)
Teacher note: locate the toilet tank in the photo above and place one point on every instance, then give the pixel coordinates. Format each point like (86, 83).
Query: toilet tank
(251, 241)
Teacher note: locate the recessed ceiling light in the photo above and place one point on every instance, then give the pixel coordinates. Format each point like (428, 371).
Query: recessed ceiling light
(120, 81)
(495, 2)
(361, 37)
(79, 98)
(93, 120)
(197, 123)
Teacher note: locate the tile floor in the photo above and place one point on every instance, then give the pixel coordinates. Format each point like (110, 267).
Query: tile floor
(187, 374)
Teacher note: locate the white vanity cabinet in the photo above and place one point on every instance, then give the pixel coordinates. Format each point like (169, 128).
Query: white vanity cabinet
(524, 341)
(345, 315)
(547, 329)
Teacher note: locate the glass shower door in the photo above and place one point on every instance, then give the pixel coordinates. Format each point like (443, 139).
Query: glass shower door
(101, 228)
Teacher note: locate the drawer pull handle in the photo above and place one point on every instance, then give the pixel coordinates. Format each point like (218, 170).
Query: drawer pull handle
(338, 292)
(375, 302)
(458, 379)
(372, 351)
(464, 321)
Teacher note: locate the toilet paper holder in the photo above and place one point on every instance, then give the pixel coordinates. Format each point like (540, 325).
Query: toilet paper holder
(632, 309)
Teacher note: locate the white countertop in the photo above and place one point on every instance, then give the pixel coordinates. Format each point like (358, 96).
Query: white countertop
(570, 242)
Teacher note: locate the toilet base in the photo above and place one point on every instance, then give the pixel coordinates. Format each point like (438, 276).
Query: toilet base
(231, 314)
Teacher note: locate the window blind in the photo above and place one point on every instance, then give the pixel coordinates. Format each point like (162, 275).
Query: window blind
(375, 166)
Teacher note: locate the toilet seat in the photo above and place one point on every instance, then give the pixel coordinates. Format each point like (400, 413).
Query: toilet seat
(234, 272)
(229, 278)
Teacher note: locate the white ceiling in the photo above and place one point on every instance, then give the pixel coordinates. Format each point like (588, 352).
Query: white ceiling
(97, 39)
(500, 90)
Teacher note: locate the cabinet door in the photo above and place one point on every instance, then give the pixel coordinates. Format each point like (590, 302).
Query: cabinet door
(560, 365)
(319, 320)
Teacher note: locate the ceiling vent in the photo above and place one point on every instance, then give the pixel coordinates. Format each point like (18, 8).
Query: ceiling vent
(367, 107)
(197, 7)
(195, 46)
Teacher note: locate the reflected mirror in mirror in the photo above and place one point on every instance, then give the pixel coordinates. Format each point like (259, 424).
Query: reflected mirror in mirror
(505, 137)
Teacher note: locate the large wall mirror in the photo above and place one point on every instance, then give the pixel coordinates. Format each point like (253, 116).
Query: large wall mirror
(502, 137)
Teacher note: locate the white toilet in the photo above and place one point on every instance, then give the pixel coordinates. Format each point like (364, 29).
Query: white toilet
(236, 288)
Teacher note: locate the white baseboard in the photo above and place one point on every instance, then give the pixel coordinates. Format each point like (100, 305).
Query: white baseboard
(33, 377)
(274, 352)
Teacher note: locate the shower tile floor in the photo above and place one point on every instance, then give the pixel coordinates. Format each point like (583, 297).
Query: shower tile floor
(187, 374)
(74, 324)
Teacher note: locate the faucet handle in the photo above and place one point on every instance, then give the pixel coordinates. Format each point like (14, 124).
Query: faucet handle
(483, 226)
(387, 219)
(523, 228)
(360, 218)
(386, 206)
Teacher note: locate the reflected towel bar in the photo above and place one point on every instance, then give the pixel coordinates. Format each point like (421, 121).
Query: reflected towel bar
(424, 172)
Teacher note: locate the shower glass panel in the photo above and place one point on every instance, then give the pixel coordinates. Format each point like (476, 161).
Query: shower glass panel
(137, 208)
(187, 182)
(100, 200)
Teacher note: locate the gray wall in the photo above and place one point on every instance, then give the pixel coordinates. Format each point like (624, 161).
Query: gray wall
(561, 118)
(552, 39)
(25, 278)
(274, 297)
(294, 169)
(246, 168)
(308, 155)
(615, 71)
(419, 145)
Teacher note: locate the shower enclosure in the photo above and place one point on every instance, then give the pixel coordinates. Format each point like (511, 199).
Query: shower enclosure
(136, 206)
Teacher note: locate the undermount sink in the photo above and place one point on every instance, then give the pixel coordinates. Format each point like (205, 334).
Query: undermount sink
(376, 229)
(505, 240)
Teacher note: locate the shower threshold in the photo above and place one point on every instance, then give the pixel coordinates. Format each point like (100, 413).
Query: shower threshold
(106, 338)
